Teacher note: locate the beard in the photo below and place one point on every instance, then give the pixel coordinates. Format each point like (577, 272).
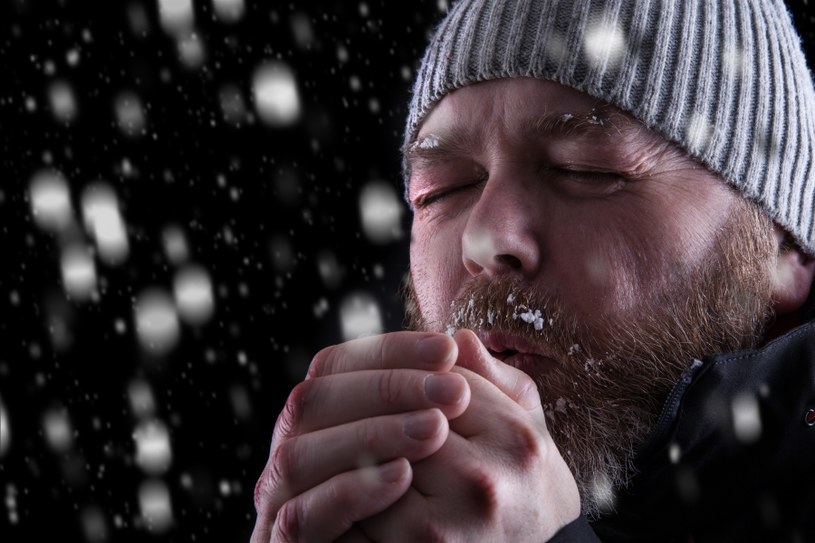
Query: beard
(611, 376)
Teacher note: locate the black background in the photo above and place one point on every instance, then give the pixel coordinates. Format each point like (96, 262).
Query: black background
(263, 208)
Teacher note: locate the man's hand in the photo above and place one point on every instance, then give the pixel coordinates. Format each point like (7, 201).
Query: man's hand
(342, 446)
(498, 476)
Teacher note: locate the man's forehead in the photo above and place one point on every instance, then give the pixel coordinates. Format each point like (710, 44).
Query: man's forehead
(599, 122)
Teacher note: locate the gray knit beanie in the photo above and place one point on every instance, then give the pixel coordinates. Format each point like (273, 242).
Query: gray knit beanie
(725, 79)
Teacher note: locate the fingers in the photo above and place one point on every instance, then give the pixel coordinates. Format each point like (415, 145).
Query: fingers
(314, 516)
(511, 381)
(306, 461)
(419, 350)
(330, 401)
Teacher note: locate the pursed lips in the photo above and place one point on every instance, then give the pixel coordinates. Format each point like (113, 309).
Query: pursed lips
(516, 350)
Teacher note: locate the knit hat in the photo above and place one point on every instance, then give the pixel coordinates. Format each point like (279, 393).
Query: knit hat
(725, 79)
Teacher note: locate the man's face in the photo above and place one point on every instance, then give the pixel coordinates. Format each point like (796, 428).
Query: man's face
(585, 250)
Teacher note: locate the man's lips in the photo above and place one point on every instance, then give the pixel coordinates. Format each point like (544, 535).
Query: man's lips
(516, 350)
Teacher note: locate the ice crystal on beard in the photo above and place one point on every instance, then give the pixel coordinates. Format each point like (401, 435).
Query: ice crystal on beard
(529, 316)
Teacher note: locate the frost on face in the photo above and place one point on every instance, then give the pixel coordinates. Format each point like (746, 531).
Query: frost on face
(529, 316)
(474, 314)
(275, 93)
(431, 141)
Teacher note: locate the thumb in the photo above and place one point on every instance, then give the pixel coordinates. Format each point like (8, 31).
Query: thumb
(474, 356)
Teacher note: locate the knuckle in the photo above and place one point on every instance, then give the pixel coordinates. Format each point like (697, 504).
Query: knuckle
(387, 386)
(367, 435)
(280, 467)
(482, 490)
(288, 521)
(320, 364)
(429, 532)
(528, 391)
(523, 445)
(292, 412)
(261, 489)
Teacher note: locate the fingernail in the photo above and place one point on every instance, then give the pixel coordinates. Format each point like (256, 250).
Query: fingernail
(444, 388)
(422, 425)
(434, 348)
(392, 471)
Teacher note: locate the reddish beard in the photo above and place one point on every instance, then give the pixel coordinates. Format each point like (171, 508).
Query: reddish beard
(606, 379)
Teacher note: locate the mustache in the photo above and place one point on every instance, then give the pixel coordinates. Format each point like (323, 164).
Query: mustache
(512, 308)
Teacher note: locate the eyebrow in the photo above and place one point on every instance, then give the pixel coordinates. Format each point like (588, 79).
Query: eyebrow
(602, 122)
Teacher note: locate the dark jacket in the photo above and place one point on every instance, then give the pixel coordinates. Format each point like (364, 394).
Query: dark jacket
(732, 457)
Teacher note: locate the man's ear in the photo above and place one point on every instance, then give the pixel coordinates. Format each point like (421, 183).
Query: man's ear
(793, 276)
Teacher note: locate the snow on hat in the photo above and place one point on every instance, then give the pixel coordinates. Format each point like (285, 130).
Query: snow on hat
(725, 79)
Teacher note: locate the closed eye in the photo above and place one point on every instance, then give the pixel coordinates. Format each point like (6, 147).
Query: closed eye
(444, 192)
(579, 182)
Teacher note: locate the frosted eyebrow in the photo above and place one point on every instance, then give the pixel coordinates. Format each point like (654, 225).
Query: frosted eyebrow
(600, 122)
(433, 146)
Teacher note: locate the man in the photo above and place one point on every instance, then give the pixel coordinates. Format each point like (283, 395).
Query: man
(611, 259)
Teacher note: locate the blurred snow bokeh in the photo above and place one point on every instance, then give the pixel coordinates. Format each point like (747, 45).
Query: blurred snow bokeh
(275, 92)
(103, 220)
(5, 431)
(211, 194)
(381, 210)
(157, 323)
(50, 200)
(192, 290)
(360, 316)
(153, 452)
(155, 505)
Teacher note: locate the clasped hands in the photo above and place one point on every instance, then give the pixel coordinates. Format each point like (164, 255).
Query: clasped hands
(413, 436)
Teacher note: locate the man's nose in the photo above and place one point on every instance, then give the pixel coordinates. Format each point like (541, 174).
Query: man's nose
(504, 231)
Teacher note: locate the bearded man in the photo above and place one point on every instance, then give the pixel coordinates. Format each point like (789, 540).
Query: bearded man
(611, 264)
